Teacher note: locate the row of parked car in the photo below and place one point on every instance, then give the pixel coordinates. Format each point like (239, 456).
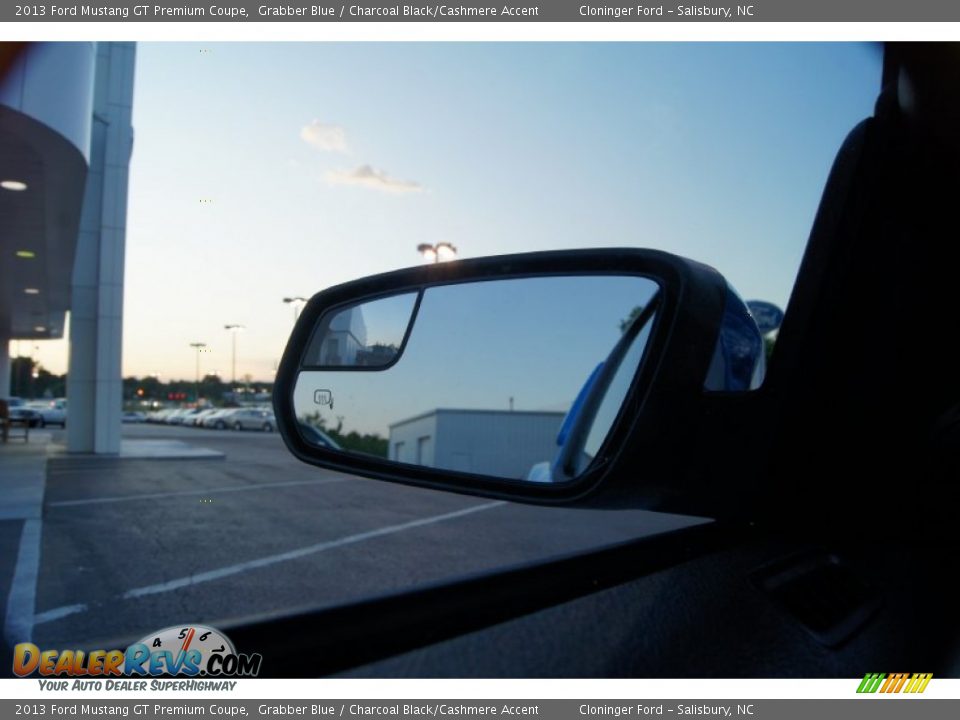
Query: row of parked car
(41, 413)
(246, 418)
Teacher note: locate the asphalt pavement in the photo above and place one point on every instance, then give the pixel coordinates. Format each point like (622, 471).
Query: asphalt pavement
(128, 546)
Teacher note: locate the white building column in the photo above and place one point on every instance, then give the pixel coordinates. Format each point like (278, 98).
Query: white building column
(94, 382)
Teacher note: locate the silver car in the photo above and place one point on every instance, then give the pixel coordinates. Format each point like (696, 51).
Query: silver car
(253, 419)
(51, 412)
(220, 420)
(196, 420)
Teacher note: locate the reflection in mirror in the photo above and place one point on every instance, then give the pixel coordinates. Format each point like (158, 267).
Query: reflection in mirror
(361, 335)
(516, 379)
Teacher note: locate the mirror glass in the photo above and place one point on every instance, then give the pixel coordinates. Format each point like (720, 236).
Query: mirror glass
(517, 379)
(367, 335)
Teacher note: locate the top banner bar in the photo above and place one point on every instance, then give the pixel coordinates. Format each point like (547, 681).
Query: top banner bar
(828, 11)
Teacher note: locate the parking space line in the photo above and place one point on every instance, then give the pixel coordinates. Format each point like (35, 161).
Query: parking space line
(219, 573)
(57, 613)
(181, 493)
(18, 623)
(300, 552)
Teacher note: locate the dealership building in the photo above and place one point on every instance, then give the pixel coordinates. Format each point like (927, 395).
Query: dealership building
(65, 142)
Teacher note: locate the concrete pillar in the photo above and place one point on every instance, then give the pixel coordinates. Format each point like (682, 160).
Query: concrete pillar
(4, 367)
(94, 382)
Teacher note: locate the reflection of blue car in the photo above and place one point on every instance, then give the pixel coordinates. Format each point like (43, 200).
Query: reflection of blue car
(546, 471)
(315, 436)
(738, 365)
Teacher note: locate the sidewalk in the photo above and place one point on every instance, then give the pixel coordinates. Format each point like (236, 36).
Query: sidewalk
(22, 471)
(141, 449)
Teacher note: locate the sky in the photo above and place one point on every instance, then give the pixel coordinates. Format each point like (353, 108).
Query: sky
(267, 170)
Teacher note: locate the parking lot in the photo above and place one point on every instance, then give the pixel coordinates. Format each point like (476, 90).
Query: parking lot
(131, 546)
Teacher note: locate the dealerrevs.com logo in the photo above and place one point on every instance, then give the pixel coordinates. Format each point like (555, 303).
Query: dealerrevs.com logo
(894, 683)
(192, 651)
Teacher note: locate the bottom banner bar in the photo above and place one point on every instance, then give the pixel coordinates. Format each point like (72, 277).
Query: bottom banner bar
(874, 707)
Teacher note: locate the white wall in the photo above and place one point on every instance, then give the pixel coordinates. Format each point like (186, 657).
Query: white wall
(405, 439)
(501, 444)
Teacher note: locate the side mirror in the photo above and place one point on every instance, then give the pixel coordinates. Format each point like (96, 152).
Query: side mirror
(537, 377)
(767, 316)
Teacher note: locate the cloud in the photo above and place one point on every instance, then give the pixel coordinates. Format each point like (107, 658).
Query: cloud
(366, 176)
(329, 138)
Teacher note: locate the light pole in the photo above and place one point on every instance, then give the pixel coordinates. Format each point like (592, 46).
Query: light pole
(198, 346)
(441, 252)
(34, 371)
(297, 302)
(233, 332)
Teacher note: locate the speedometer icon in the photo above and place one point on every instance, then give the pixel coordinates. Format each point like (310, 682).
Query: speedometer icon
(198, 643)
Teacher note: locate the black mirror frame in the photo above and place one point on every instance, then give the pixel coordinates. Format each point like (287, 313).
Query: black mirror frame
(669, 380)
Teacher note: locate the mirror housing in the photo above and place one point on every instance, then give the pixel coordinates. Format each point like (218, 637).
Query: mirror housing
(641, 448)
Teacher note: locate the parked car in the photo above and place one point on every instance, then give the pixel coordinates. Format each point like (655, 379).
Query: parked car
(52, 412)
(20, 411)
(177, 416)
(197, 419)
(220, 419)
(188, 417)
(253, 419)
(172, 417)
(134, 417)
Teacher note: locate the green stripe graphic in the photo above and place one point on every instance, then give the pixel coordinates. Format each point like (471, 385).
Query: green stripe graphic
(871, 682)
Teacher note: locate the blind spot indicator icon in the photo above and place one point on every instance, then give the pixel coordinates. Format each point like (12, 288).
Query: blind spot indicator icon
(323, 397)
